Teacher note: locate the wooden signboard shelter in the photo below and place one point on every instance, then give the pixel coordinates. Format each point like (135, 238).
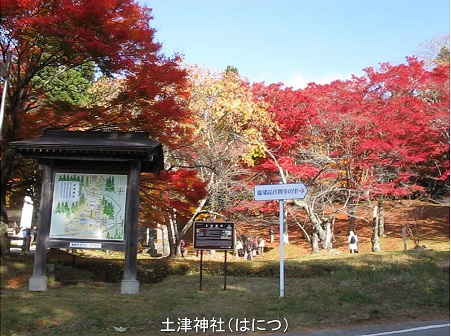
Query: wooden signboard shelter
(98, 175)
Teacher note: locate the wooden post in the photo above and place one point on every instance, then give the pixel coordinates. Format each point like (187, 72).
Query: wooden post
(38, 281)
(129, 284)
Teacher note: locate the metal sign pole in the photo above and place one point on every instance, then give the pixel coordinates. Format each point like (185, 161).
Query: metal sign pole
(282, 250)
(280, 192)
(225, 270)
(201, 266)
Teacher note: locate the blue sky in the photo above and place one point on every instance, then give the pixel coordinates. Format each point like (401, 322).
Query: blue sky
(297, 41)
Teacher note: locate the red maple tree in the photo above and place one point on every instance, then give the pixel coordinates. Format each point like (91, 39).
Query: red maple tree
(382, 134)
(116, 37)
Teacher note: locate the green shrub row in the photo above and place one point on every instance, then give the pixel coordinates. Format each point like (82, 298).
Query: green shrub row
(152, 271)
(155, 270)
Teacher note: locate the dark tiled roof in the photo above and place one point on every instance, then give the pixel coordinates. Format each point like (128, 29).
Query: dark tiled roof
(85, 145)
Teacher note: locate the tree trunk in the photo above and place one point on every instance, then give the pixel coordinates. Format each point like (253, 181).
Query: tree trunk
(201, 205)
(315, 246)
(332, 228)
(327, 245)
(14, 109)
(7, 166)
(375, 237)
(314, 218)
(305, 233)
(381, 218)
(172, 239)
(351, 218)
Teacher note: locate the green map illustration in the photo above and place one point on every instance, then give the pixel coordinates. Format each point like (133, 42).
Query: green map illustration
(88, 206)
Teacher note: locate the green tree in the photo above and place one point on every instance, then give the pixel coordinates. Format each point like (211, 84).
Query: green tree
(64, 88)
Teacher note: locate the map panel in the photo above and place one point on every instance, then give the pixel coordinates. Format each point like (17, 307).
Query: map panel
(88, 206)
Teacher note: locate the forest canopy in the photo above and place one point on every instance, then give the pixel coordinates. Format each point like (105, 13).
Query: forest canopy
(94, 65)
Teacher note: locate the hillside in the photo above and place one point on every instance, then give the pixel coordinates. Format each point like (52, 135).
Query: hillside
(429, 222)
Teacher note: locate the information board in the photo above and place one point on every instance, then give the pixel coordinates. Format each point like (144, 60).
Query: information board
(88, 206)
(214, 235)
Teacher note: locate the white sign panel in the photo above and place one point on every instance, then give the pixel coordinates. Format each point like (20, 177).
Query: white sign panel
(85, 245)
(272, 192)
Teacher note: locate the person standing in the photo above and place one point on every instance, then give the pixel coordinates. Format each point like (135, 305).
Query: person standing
(240, 248)
(182, 248)
(353, 242)
(271, 234)
(248, 249)
(261, 246)
(254, 246)
(16, 228)
(33, 233)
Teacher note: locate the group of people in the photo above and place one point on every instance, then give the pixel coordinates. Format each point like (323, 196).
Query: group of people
(249, 247)
(26, 232)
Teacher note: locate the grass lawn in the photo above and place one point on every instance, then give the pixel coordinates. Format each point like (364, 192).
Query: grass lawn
(322, 291)
(325, 290)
